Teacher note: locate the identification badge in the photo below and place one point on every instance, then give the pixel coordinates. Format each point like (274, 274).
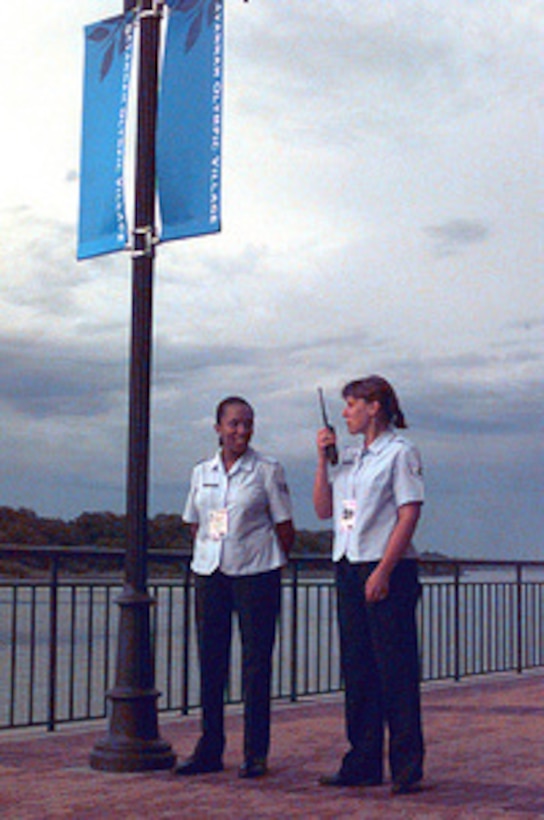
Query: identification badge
(347, 519)
(218, 524)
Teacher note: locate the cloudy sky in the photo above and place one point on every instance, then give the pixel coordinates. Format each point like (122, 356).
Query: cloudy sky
(382, 212)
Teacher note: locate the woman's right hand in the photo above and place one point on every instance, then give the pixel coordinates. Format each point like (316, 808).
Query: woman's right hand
(325, 437)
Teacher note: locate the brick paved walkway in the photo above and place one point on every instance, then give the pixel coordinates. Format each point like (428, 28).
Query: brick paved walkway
(485, 759)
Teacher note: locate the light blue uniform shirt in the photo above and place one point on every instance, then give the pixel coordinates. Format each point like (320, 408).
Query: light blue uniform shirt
(236, 513)
(369, 485)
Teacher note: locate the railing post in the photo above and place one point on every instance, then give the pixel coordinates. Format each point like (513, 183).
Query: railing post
(457, 624)
(53, 631)
(294, 630)
(519, 616)
(186, 639)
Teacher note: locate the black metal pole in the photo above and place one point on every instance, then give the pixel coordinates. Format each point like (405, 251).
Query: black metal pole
(133, 742)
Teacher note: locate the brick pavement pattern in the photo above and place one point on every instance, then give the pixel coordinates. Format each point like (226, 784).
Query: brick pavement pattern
(485, 759)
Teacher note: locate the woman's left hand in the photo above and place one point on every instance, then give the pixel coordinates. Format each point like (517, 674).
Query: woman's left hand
(377, 586)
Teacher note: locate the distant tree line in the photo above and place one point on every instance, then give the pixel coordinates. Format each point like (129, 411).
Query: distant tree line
(108, 530)
(90, 529)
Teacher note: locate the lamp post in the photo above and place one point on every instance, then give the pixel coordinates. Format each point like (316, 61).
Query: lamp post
(132, 742)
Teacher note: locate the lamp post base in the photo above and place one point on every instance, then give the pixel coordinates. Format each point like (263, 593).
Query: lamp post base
(122, 755)
(133, 743)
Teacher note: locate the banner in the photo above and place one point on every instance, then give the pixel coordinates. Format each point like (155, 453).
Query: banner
(108, 58)
(189, 120)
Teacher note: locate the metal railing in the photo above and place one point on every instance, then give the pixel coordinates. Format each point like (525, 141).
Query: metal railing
(58, 632)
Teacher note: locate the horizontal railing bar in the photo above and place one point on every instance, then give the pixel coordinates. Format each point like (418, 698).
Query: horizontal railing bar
(60, 551)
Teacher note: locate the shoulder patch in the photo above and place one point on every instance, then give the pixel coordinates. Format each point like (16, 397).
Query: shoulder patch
(266, 459)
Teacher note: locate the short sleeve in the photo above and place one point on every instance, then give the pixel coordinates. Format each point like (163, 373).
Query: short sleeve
(190, 513)
(408, 476)
(279, 498)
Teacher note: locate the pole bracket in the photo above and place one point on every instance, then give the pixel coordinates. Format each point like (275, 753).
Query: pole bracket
(156, 9)
(144, 242)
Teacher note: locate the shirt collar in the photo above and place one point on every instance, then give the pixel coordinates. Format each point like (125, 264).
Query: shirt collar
(379, 443)
(245, 463)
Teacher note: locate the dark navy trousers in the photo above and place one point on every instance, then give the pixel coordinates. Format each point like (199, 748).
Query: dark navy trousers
(256, 599)
(380, 664)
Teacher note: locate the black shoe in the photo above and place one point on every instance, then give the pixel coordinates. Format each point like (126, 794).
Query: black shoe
(255, 767)
(407, 788)
(198, 765)
(342, 779)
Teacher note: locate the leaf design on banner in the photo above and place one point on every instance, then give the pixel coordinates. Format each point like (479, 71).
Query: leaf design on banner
(196, 9)
(99, 33)
(211, 12)
(185, 5)
(194, 31)
(107, 61)
(110, 33)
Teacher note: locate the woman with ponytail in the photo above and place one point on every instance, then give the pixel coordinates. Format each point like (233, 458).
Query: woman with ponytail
(375, 495)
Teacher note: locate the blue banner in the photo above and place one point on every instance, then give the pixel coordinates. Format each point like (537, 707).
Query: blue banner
(102, 215)
(189, 120)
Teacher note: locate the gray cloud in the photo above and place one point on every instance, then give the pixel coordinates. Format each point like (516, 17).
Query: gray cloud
(465, 409)
(42, 379)
(534, 323)
(456, 234)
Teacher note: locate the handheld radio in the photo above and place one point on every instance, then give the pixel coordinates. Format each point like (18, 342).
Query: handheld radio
(331, 451)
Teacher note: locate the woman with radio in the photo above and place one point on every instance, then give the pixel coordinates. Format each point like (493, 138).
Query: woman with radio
(375, 495)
